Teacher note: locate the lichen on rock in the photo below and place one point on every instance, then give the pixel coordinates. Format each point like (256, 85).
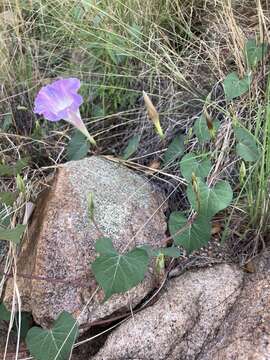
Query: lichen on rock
(60, 242)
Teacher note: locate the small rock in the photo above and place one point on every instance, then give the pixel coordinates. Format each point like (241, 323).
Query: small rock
(177, 327)
(60, 240)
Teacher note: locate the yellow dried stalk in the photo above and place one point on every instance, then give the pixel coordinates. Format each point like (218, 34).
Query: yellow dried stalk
(153, 114)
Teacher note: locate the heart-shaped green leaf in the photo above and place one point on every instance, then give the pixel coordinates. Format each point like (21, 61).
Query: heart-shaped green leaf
(201, 130)
(13, 235)
(117, 273)
(104, 246)
(175, 150)
(78, 146)
(194, 236)
(211, 199)
(247, 147)
(254, 52)
(55, 343)
(132, 147)
(234, 87)
(195, 164)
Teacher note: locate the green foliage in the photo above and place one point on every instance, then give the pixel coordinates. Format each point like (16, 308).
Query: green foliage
(13, 170)
(172, 251)
(254, 53)
(256, 185)
(92, 43)
(98, 42)
(20, 184)
(191, 235)
(199, 165)
(78, 146)
(175, 149)
(6, 122)
(55, 343)
(132, 147)
(5, 217)
(8, 197)
(91, 206)
(211, 199)
(4, 313)
(108, 46)
(160, 264)
(117, 273)
(38, 132)
(14, 235)
(25, 321)
(20, 165)
(201, 129)
(235, 87)
(104, 246)
(247, 147)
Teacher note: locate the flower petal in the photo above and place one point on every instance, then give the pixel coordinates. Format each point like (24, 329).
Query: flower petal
(72, 84)
(55, 100)
(51, 116)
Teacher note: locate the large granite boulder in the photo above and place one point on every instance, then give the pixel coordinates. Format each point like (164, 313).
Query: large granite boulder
(246, 332)
(56, 254)
(219, 313)
(177, 327)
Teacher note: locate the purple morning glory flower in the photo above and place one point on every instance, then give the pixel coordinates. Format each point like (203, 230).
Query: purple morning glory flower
(60, 100)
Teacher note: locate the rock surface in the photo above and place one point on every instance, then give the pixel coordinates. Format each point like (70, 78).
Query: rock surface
(60, 241)
(218, 313)
(245, 335)
(181, 322)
